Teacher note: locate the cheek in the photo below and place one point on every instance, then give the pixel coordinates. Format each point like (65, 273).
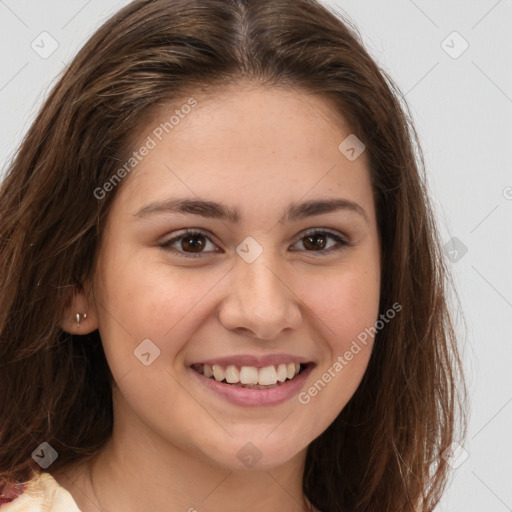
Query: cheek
(137, 303)
(346, 303)
(345, 308)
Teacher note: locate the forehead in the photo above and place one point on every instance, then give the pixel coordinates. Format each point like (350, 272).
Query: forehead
(250, 143)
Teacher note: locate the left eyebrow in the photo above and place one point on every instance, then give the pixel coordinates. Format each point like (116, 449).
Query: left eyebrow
(215, 210)
(306, 209)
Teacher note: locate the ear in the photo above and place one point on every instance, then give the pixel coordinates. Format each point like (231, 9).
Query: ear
(80, 300)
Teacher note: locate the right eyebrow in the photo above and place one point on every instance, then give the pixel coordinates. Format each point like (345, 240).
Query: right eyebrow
(209, 209)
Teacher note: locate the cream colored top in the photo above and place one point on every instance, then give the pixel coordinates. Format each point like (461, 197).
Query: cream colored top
(44, 494)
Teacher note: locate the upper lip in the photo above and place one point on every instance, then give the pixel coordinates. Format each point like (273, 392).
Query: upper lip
(258, 361)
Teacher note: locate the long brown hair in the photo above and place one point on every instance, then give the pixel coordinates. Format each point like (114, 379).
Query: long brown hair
(383, 451)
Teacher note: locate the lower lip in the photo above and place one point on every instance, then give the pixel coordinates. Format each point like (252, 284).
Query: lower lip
(256, 397)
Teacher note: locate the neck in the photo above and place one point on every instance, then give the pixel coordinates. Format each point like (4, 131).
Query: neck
(138, 472)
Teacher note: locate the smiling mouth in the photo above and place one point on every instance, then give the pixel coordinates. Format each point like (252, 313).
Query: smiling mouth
(251, 377)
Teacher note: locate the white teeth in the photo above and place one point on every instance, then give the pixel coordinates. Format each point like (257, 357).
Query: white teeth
(232, 374)
(218, 372)
(249, 375)
(281, 373)
(207, 370)
(267, 376)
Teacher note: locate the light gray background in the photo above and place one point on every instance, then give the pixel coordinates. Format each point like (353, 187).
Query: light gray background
(463, 112)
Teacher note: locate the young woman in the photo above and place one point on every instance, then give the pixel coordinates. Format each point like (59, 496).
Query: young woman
(222, 285)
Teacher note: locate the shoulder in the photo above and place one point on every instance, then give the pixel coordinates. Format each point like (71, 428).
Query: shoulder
(41, 494)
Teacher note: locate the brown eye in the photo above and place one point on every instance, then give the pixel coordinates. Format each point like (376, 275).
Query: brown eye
(190, 244)
(193, 243)
(315, 242)
(318, 242)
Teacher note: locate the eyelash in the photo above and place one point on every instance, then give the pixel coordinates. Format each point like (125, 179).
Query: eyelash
(191, 233)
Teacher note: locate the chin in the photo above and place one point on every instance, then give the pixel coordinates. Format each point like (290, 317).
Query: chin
(256, 452)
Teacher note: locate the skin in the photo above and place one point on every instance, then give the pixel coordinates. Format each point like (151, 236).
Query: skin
(175, 443)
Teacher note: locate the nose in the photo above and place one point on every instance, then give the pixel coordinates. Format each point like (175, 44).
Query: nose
(260, 301)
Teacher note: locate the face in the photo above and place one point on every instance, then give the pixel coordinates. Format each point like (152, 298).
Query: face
(243, 244)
